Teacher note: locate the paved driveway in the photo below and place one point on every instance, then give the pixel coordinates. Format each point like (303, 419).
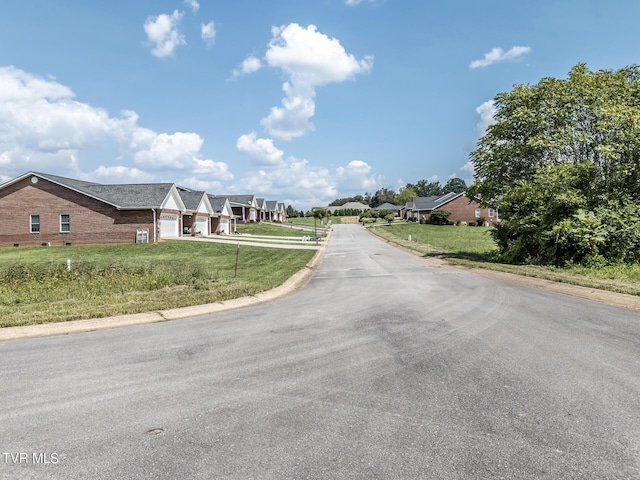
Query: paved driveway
(382, 367)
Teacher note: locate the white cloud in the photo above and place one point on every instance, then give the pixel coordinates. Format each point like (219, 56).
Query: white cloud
(497, 55)
(249, 65)
(193, 5)
(208, 33)
(42, 127)
(261, 150)
(356, 176)
(352, 3)
(469, 168)
(120, 174)
(309, 59)
(162, 32)
(486, 111)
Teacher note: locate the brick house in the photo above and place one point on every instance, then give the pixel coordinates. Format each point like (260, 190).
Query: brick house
(462, 210)
(244, 207)
(198, 212)
(42, 209)
(222, 215)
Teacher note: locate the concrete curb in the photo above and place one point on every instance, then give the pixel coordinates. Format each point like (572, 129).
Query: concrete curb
(294, 283)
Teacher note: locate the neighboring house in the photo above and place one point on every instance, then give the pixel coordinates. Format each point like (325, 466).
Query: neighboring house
(282, 213)
(198, 212)
(272, 210)
(461, 208)
(222, 215)
(262, 209)
(243, 206)
(43, 209)
(350, 206)
(396, 209)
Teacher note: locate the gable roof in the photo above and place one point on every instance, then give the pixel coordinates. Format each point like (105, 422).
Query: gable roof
(272, 205)
(387, 206)
(132, 196)
(243, 200)
(218, 204)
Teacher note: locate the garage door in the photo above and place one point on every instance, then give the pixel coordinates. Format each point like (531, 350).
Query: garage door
(202, 225)
(224, 226)
(168, 226)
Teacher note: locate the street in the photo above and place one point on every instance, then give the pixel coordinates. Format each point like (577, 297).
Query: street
(383, 366)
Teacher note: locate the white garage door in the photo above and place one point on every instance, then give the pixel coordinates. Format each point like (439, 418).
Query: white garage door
(168, 226)
(224, 226)
(202, 225)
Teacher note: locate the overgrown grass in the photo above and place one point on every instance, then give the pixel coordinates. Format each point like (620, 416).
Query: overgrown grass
(36, 287)
(474, 247)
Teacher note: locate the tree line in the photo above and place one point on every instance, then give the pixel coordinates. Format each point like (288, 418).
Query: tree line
(422, 188)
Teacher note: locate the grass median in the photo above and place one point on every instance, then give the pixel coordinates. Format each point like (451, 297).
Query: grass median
(104, 280)
(474, 247)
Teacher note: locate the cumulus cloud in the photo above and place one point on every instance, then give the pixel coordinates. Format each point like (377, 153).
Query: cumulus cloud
(497, 55)
(208, 33)
(249, 65)
(309, 59)
(162, 32)
(43, 127)
(487, 112)
(261, 150)
(193, 5)
(356, 176)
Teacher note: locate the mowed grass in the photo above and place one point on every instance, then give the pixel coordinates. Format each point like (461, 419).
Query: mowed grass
(269, 230)
(474, 247)
(106, 280)
(308, 221)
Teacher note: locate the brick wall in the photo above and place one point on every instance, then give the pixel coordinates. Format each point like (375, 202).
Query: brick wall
(91, 221)
(463, 211)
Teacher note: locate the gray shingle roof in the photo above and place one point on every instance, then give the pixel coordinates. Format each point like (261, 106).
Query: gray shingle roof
(191, 199)
(134, 195)
(431, 203)
(217, 202)
(387, 206)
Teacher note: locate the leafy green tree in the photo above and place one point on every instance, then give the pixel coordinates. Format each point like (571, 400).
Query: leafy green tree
(455, 185)
(383, 195)
(405, 195)
(389, 217)
(562, 164)
(425, 188)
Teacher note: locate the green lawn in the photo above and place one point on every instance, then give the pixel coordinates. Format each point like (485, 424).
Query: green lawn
(105, 280)
(308, 221)
(474, 247)
(269, 230)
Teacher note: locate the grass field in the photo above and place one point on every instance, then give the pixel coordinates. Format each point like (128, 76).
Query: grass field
(308, 221)
(474, 247)
(36, 287)
(269, 230)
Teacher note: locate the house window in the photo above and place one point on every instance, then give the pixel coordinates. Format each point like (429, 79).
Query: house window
(477, 213)
(35, 223)
(65, 223)
(492, 212)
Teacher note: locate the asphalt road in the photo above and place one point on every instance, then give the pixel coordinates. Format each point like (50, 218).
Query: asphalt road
(382, 367)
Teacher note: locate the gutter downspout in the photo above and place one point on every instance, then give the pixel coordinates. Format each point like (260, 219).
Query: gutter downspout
(155, 228)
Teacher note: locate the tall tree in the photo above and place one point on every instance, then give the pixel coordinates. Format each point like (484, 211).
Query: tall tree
(405, 195)
(455, 185)
(562, 163)
(381, 196)
(425, 188)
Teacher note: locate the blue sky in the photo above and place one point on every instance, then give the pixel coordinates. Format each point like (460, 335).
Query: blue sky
(300, 101)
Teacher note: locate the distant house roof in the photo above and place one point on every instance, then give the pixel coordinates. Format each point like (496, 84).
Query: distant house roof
(349, 205)
(122, 196)
(272, 205)
(388, 206)
(240, 199)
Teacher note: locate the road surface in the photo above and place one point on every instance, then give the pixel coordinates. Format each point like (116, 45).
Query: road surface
(382, 367)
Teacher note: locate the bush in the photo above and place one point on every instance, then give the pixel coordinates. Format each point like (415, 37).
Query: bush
(439, 217)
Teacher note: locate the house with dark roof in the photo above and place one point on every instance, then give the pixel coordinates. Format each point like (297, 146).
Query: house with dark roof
(272, 210)
(222, 215)
(396, 209)
(196, 219)
(42, 209)
(243, 206)
(462, 209)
